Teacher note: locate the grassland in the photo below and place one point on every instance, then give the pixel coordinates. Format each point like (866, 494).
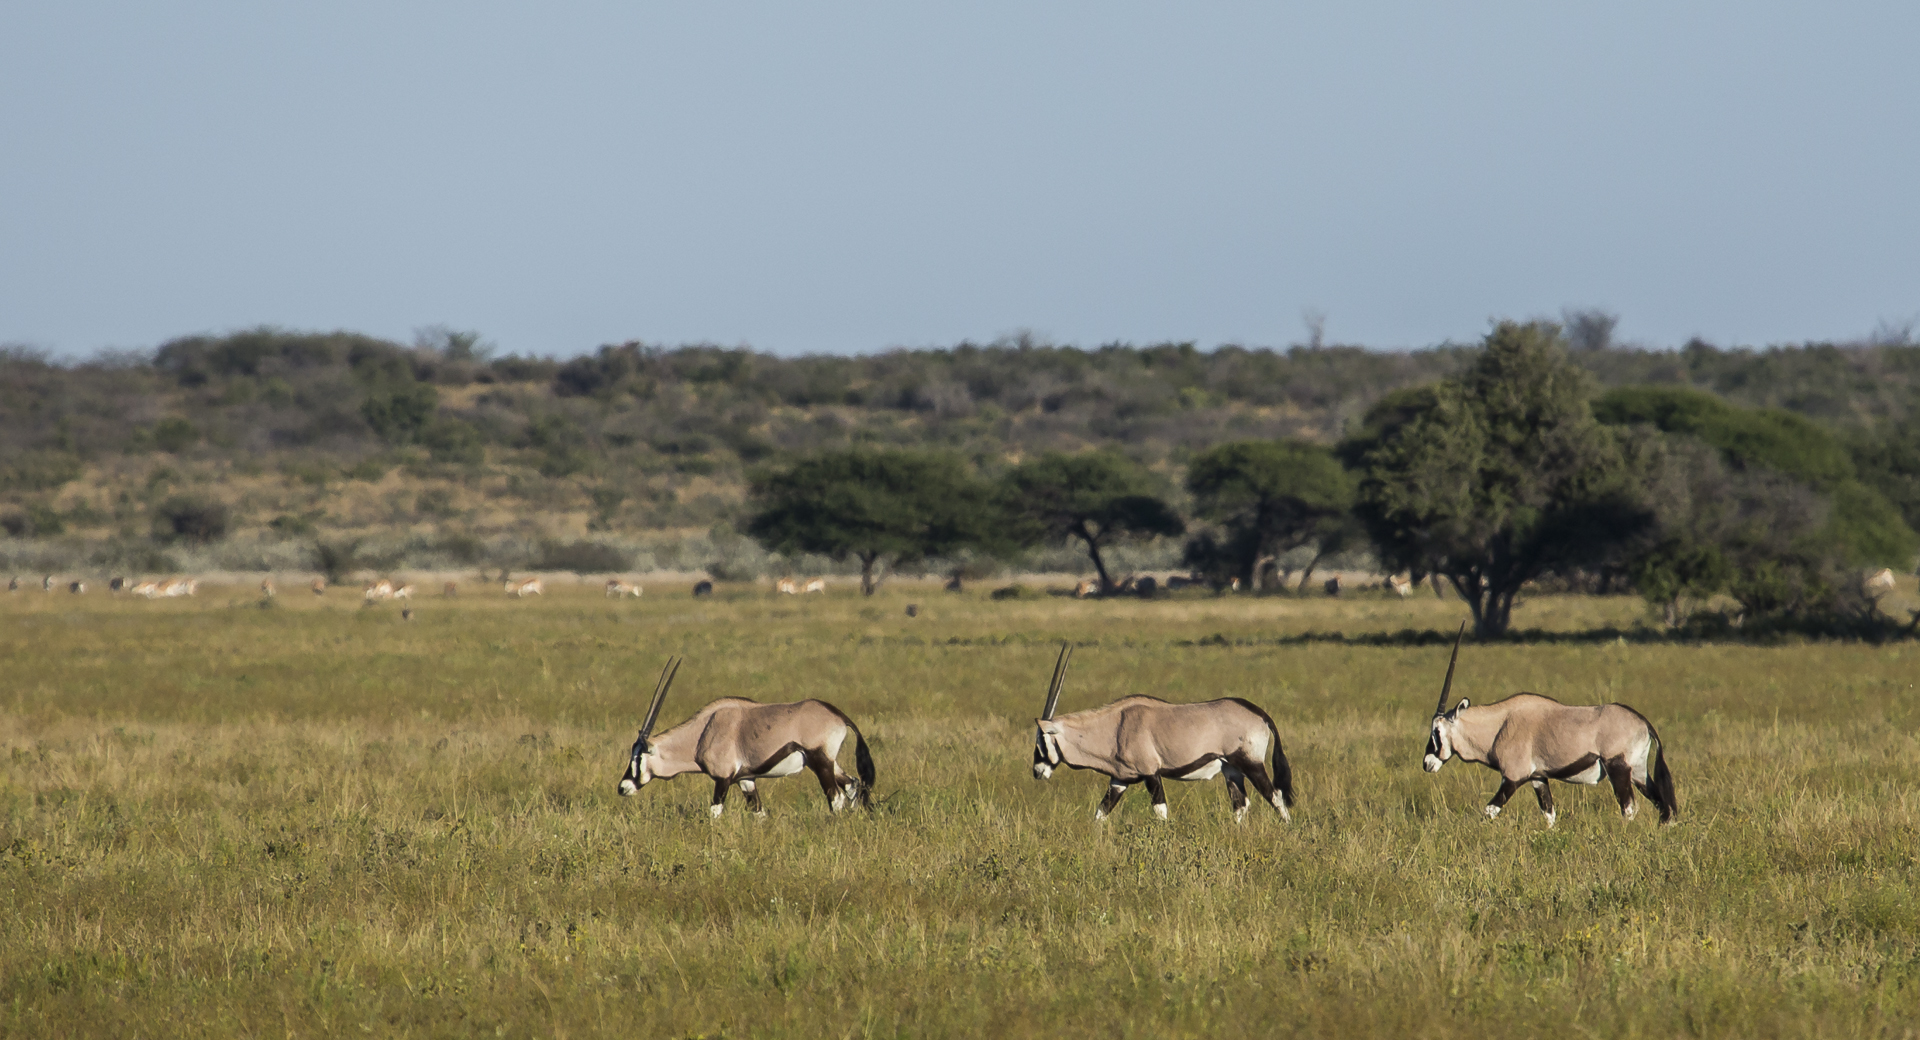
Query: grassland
(218, 819)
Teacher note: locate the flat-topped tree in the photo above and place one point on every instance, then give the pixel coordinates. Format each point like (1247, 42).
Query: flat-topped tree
(882, 507)
(1272, 497)
(1100, 498)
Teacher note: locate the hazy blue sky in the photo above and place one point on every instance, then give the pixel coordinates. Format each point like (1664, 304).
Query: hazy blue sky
(850, 177)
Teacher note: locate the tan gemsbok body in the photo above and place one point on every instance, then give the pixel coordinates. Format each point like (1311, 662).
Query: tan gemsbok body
(738, 741)
(1530, 739)
(1145, 740)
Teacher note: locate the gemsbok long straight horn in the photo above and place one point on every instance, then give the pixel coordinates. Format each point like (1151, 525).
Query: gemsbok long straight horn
(1531, 739)
(738, 741)
(1145, 740)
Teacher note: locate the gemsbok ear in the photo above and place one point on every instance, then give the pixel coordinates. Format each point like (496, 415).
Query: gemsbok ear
(1456, 708)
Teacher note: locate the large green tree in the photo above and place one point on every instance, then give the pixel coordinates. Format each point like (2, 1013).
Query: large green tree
(882, 507)
(1272, 497)
(1496, 476)
(1098, 498)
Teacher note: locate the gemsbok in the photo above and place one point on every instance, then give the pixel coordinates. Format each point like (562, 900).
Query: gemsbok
(524, 588)
(815, 585)
(738, 741)
(786, 587)
(617, 589)
(1145, 740)
(1530, 739)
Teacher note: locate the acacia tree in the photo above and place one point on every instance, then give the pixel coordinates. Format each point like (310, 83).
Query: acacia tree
(1100, 498)
(880, 507)
(1496, 476)
(1272, 497)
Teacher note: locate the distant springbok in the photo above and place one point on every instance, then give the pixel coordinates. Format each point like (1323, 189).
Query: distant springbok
(173, 587)
(1085, 589)
(786, 587)
(403, 592)
(266, 587)
(815, 585)
(149, 589)
(1402, 587)
(1532, 739)
(450, 590)
(1881, 580)
(378, 590)
(617, 589)
(319, 586)
(737, 741)
(524, 588)
(1145, 740)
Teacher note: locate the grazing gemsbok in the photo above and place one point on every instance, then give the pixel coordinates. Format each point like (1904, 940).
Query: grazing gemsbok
(1145, 740)
(523, 589)
(738, 741)
(786, 587)
(1532, 739)
(617, 589)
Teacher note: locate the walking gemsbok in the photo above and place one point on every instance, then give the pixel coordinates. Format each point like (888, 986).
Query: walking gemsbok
(1145, 740)
(738, 741)
(1532, 739)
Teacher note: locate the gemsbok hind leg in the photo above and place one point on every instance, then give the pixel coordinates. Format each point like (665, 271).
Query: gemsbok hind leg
(1115, 792)
(754, 805)
(837, 786)
(1237, 794)
(1545, 793)
(1158, 789)
(1621, 774)
(1257, 772)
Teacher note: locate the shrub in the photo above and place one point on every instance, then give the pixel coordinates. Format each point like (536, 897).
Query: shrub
(37, 521)
(38, 470)
(175, 435)
(186, 518)
(583, 558)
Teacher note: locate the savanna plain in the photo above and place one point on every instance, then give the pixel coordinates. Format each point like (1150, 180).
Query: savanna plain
(310, 818)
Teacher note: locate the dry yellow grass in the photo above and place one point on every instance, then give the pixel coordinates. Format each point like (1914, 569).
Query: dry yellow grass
(317, 819)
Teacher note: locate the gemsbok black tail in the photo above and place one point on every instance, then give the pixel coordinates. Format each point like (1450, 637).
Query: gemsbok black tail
(1282, 769)
(863, 764)
(1660, 783)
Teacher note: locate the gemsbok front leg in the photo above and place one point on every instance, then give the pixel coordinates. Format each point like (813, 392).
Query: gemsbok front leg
(720, 785)
(1507, 788)
(1115, 792)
